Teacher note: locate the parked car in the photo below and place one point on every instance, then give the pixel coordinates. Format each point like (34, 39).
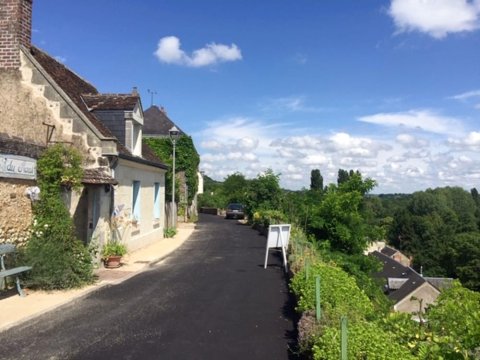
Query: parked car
(234, 211)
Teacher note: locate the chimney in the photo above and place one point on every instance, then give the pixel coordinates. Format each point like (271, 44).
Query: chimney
(15, 31)
(134, 91)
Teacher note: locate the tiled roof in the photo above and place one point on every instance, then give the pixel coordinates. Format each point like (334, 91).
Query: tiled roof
(85, 96)
(393, 269)
(97, 176)
(72, 84)
(111, 101)
(389, 251)
(440, 283)
(156, 122)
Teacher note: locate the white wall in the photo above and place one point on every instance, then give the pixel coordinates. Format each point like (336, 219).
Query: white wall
(147, 229)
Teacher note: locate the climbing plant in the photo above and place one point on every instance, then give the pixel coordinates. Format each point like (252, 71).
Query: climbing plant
(58, 259)
(186, 160)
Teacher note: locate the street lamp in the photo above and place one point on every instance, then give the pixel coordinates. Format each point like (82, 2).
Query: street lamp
(174, 135)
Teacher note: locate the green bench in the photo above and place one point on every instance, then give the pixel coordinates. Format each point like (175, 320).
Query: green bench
(9, 249)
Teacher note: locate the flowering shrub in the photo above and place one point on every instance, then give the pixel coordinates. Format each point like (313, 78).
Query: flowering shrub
(58, 259)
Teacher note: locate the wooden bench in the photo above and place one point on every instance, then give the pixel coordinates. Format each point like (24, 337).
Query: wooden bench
(9, 249)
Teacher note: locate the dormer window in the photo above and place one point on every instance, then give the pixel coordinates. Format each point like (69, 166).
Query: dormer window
(123, 116)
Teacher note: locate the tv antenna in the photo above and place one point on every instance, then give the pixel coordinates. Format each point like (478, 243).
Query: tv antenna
(151, 92)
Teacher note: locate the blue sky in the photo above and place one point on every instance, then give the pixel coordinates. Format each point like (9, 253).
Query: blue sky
(388, 87)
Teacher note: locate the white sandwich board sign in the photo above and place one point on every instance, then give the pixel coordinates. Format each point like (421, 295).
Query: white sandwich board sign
(278, 237)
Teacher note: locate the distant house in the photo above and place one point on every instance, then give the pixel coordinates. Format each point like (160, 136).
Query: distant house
(157, 125)
(43, 102)
(409, 291)
(396, 255)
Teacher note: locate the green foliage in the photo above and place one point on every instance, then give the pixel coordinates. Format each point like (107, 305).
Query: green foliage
(169, 232)
(59, 165)
(340, 294)
(59, 260)
(338, 217)
(263, 193)
(235, 188)
(439, 228)
(186, 159)
(316, 180)
(365, 341)
(361, 268)
(113, 248)
(268, 217)
(456, 317)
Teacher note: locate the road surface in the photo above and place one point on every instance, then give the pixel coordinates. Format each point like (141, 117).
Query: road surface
(210, 299)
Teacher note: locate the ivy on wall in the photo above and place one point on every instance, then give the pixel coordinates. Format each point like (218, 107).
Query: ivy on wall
(186, 160)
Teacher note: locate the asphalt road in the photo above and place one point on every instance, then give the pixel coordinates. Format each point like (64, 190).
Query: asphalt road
(210, 299)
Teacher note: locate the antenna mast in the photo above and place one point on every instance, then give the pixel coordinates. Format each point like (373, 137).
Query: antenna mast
(151, 92)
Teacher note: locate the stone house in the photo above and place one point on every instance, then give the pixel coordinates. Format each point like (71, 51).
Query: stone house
(396, 255)
(409, 291)
(42, 102)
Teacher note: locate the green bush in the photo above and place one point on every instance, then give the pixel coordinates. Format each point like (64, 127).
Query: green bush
(365, 341)
(59, 260)
(169, 232)
(340, 295)
(269, 217)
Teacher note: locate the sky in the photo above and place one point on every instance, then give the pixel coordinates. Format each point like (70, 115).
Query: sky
(387, 87)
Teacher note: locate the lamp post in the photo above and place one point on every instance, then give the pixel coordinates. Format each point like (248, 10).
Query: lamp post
(174, 135)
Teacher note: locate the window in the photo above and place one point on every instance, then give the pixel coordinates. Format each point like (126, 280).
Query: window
(156, 201)
(136, 200)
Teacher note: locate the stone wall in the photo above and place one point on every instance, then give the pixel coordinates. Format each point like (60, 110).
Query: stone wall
(15, 211)
(22, 114)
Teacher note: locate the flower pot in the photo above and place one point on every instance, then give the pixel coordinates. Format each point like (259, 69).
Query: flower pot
(112, 261)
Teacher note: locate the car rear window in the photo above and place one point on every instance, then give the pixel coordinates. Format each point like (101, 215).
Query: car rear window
(235, 207)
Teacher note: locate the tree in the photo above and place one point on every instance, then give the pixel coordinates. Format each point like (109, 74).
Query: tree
(316, 180)
(338, 218)
(186, 159)
(264, 193)
(235, 188)
(455, 319)
(342, 176)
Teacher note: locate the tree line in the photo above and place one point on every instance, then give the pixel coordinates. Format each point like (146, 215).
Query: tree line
(438, 228)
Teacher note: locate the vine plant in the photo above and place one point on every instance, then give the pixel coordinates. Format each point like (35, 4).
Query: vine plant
(186, 159)
(59, 260)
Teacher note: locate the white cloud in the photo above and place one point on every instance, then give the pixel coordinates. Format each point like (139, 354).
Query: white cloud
(211, 144)
(470, 142)
(315, 159)
(291, 104)
(437, 18)
(401, 160)
(169, 51)
(247, 143)
(469, 96)
(426, 120)
(213, 157)
(410, 141)
(298, 142)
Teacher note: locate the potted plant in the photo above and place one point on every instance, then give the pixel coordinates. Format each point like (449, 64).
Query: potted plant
(112, 253)
(114, 248)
